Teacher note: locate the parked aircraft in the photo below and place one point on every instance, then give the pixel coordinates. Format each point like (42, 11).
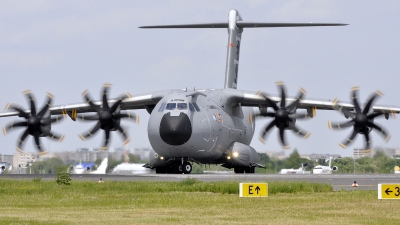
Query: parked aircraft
(132, 168)
(301, 170)
(83, 169)
(79, 169)
(200, 125)
(325, 169)
(4, 167)
(102, 167)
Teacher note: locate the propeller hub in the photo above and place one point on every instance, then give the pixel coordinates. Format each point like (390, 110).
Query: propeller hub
(33, 122)
(105, 117)
(281, 115)
(361, 119)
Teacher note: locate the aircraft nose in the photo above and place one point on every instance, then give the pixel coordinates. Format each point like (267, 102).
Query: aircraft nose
(175, 130)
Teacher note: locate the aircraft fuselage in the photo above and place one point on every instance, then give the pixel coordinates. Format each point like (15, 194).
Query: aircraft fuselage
(198, 125)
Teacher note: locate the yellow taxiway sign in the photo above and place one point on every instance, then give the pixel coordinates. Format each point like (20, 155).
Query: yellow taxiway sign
(253, 190)
(388, 191)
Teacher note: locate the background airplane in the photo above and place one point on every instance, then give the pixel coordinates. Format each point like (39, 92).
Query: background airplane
(301, 170)
(85, 169)
(131, 168)
(325, 169)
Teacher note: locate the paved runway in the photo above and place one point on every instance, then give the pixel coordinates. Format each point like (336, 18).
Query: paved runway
(338, 181)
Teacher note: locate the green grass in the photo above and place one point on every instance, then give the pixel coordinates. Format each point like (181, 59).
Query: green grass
(189, 202)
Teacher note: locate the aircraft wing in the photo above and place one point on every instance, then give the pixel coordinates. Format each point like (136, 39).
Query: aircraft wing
(142, 101)
(256, 99)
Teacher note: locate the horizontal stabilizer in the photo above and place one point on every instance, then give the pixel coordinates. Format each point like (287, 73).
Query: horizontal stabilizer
(243, 24)
(199, 25)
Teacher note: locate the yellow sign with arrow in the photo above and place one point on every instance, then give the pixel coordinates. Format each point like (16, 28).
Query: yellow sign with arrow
(253, 190)
(388, 191)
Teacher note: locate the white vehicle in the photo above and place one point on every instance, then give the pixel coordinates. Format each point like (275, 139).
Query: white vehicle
(325, 169)
(300, 170)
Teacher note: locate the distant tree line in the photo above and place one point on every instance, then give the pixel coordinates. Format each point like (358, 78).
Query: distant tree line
(379, 163)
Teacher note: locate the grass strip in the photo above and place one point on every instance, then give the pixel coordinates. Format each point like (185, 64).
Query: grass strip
(189, 201)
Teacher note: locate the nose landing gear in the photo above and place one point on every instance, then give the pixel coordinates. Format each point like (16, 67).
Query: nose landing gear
(186, 167)
(176, 168)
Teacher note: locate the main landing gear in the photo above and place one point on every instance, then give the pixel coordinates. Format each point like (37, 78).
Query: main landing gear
(244, 169)
(176, 168)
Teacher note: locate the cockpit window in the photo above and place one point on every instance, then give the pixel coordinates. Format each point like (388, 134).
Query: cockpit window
(318, 168)
(161, 107)
(170, 106)
(182, 106)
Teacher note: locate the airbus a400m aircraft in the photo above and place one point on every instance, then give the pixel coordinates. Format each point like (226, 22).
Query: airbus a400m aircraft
(204, 125)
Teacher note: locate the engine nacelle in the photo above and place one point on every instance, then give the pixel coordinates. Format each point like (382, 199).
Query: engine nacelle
(241, 155)
(335, 168)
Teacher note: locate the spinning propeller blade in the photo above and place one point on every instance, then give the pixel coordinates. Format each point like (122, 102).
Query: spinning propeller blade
(284, 116)
(36, 124)
(108, 117)
(361, 121)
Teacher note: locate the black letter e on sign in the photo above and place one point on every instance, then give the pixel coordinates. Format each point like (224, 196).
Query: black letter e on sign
(250, 189)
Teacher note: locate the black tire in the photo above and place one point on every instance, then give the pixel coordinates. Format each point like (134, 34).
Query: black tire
(161, 170)
(238, 169)
(249, 170)
(187, 168)
(177, 169)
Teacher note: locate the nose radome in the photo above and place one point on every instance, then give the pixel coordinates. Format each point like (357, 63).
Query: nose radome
(175, 130)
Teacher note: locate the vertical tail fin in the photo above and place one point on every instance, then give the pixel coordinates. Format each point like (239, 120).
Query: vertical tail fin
(330, 161)
(102, 168)
(232, 57)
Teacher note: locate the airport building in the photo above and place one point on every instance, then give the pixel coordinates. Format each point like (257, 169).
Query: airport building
(24, 159)
(358, 153)
(276, 154)
(7, 159)
(324, 156)
(144, 153)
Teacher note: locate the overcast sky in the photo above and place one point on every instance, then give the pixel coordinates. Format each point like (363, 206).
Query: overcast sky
(65, 47)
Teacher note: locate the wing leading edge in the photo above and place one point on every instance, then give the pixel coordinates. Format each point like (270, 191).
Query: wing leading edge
(142, 101)
(256, 99)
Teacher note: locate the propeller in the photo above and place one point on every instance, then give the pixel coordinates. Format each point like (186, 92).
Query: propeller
(361, 121)
(284, 116)
(36, 124)
(108, 117)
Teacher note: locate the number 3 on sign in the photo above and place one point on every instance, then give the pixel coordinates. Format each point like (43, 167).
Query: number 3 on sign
(388, 191)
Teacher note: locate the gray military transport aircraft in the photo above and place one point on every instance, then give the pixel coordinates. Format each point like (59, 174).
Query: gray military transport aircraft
(205, 125)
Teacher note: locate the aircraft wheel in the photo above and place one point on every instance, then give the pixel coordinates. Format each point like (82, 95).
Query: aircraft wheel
(238, 169)
(249, 170)
(187, 168)
(177, 169)
(161, 170)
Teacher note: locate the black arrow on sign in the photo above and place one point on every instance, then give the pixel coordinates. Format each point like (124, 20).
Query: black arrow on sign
(388, 191)
(258, 189)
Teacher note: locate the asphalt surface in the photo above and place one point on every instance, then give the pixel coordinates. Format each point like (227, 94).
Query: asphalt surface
(338, 181)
